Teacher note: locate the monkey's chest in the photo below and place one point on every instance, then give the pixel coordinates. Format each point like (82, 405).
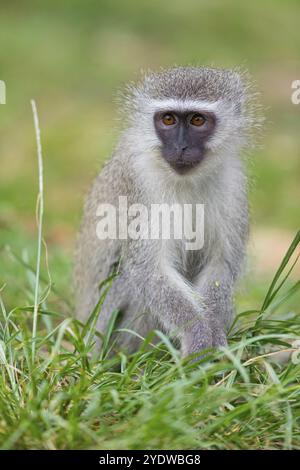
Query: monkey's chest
(187, 262)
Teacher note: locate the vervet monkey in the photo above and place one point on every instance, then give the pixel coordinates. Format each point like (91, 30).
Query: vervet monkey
(185, 130)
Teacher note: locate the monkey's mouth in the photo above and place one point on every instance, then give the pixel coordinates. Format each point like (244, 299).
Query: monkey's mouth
(182, 167)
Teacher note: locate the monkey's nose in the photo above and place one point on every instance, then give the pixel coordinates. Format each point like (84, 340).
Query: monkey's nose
(181, 149)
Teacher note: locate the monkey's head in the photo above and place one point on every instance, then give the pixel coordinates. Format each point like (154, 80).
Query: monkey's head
(188, 118)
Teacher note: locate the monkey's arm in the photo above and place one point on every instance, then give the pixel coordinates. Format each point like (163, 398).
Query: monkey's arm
(215, 286)
(175, 304)
(215, 282)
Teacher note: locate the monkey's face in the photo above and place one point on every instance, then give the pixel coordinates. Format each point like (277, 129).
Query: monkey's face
(183, 137)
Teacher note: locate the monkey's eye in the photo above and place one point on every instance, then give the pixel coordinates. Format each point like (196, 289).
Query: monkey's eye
(198, 120)
(168, 119)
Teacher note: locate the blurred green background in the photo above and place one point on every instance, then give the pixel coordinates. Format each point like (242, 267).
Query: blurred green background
(73, 57)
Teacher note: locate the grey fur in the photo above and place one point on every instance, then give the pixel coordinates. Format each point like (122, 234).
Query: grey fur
(188, 295)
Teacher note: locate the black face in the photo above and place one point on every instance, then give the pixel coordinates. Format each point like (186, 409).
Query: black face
(183, 136)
